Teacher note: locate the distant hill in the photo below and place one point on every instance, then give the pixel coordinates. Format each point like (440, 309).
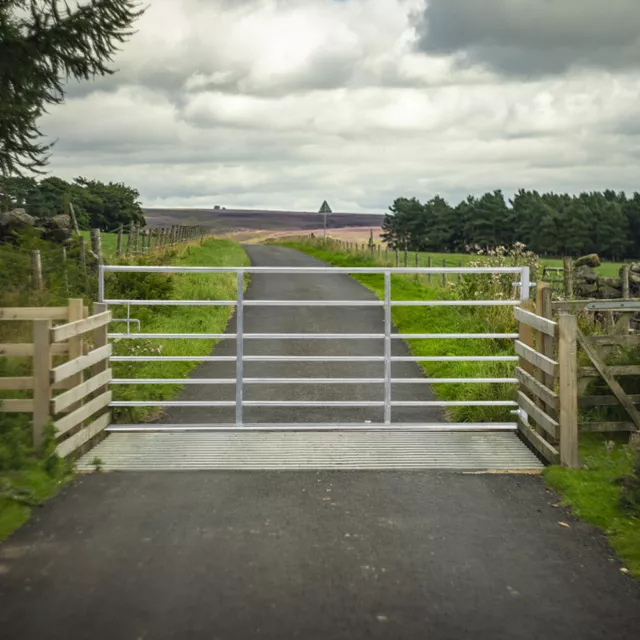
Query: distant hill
(227, 221)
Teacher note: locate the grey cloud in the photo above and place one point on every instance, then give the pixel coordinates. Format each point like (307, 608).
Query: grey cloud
(533, 37)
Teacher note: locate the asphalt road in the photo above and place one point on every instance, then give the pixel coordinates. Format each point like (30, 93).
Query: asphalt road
(326, 555)
(306, 320)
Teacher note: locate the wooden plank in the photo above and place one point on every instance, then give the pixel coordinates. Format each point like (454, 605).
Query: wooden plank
(568, 389)
(608, 376)
(605, 400)
(33, 313)
(16, 384)
(71, 444)
(537, 322)
(615, 370)
(619, 340)
(548, 342)
(546, 450)
(613, 304)
(16, 406)
(86, 411)
(537, 359)
(76, 346)
(606, 427)
(41, 378)
(80, 364)
(26, 350)
(526, 337)
(547, 423)
(64, 400)
(79, 327)
(537, 388)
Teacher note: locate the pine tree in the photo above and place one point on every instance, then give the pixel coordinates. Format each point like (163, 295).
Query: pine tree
(43, 43)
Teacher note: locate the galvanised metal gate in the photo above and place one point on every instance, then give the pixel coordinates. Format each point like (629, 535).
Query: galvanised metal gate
(521, 287)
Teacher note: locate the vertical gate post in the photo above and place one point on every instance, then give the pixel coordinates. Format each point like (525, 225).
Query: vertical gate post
(387, 347)
(100, 339)
(41, 378)
(239, 347)
(568, 390)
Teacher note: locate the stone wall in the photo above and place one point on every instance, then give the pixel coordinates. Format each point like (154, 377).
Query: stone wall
(588, 284)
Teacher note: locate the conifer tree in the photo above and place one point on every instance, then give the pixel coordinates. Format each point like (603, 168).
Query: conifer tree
(43, 44)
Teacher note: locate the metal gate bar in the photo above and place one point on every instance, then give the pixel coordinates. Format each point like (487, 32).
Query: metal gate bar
(240, 336)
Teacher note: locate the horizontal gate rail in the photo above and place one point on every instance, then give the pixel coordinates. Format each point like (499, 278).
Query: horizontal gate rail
(313, 403)
(387, 336)
(314, 380)
(315, 336)
(315, 303)
(315, 270)
(314, 358)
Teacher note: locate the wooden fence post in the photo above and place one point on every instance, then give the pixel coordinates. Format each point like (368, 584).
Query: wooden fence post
(136, 239)
(568, 390)
(65, 275)
(36, 270)
(76, 312)
(460, 275)
(406, 258)
(83, 260)
(119, 242)
(41, 378)
(100, 339)
(568, 276)
(397, 258)
(129, 239)
(444, 275)
(96, 244)
(625, 282)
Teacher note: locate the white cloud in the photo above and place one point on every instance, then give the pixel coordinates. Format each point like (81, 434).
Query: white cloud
(285, 104)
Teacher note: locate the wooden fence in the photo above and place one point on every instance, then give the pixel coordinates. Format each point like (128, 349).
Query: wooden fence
(69, 375)
(554, 387)
(136, 240)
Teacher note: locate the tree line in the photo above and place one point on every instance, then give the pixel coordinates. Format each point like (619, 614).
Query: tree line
(607, 223)
(97, 205)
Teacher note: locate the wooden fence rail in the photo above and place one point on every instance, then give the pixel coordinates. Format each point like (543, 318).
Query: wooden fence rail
(72, 394)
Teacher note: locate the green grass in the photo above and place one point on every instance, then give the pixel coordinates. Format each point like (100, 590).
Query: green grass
(607, 269)
(442, 320)
(23, 490)
(177, 320)
(109, 242)
(593, 495)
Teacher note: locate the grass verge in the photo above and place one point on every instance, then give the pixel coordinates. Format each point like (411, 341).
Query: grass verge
(593, 493)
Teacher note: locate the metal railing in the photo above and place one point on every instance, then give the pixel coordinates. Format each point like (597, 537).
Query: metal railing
(522, 284)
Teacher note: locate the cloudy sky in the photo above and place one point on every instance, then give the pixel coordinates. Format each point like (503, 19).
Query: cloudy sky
(286, 103)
